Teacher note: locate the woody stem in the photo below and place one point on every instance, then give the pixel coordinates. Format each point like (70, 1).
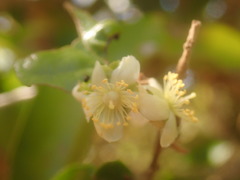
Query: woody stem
(154, 166)
(187, 48)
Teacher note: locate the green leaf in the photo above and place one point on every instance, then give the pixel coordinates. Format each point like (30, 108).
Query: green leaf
(220, 45)
(61, 68)
(51, 131)
(75, 172)
(148, 33)
(99, 36)
(113, 170)
(95, 36)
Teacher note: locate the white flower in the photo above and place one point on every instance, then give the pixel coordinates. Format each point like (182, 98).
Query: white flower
(162, 105)
(110, 101)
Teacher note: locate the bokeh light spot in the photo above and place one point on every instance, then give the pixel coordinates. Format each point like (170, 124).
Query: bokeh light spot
(119, 6)
(169, 5)
(220, 153)
(83, 3)
(215, 9)
(5, 24)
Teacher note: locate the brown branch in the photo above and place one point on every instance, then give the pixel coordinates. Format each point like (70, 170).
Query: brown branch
(154, 164)
(179, 148)
(70, 9)
(187, 48)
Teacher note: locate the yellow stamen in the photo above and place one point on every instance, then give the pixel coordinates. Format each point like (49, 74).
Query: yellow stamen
(130, 91)
(103, 125)
(125, 124)
(95, 119)
(85, 92)
(190, 114)
(110, 125)
(128, 118)
(93, 87)
(111, 105)
(134, 107)
(105, 81)
(137, 96)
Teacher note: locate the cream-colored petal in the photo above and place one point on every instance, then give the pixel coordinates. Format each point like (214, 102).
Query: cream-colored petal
(138, 119)
(76, 93)
(98, 74)
(127, 70)
(109, 134)
(80, 96)
(154, 83)
(170, 131)
(87, 114)
(155, 91)
(153, 108)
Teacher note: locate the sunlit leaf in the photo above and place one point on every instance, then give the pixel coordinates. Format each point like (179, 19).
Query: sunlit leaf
(61, 68)
(96, 36)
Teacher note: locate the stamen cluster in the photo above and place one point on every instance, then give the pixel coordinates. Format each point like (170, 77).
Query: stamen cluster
(112, 99)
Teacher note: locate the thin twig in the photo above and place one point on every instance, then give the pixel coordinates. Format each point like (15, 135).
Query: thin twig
(187, 48)
(154, 166)
(179, 148)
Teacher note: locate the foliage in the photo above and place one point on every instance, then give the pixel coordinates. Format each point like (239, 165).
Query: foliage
(43, 131)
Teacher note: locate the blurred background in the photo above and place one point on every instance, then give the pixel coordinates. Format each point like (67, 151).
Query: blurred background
(42, 129)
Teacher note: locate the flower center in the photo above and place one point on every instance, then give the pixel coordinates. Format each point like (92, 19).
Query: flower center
(112, 99)
(175, 94)
(110, 103)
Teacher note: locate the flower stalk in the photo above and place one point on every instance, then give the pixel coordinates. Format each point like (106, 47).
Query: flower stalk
(181, 69)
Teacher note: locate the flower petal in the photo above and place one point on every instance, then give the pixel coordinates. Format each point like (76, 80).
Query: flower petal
(153, 107)
(127, 70)
(81, 97)
(155, 91)
(76, 93)
(154, 83)
(109, 134)
(137, 119)
(170, 131)
(98, 74)
(87, 114)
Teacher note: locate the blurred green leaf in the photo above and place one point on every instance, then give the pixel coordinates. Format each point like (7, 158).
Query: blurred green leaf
(220, 44)
(61, 68)
(9, 81)
(113, 170)
(101, 35)
(96, 36)
(47, 139)
(75, 172)
(146, 37)
(66, 66)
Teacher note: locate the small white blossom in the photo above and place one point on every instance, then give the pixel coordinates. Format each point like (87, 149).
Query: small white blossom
(109, 101)
(162, 105)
